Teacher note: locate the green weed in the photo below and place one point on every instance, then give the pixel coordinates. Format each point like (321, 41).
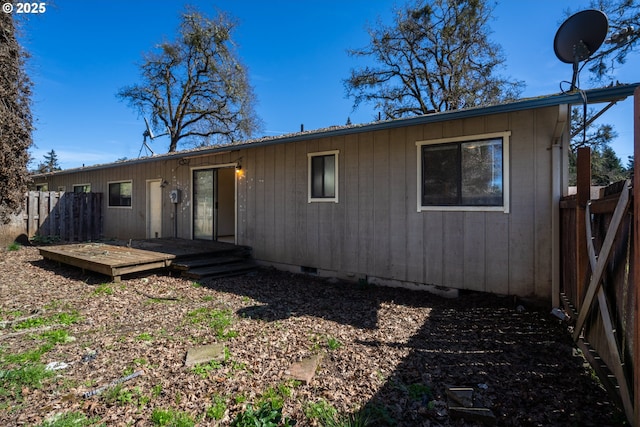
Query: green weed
(218, 320)
(203, 369)
(320, 410)
(64, 318)
(276, 396)
(103, 289)
(67, 319)
(14, 381)
(419, 391)
(71, 419)
(31, 356)
(156, 391)
(57, 336)
(333, 343)
(140, 361)
(328, 416)
(171, 417)
(34, 322)
(145, 336)
(15, 246)
(218, 408)
(117, 395)
(265, 415)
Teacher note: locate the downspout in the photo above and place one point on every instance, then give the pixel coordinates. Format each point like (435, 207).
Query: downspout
(559, 180)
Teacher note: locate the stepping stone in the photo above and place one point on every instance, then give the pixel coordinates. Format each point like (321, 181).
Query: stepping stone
(480, 415)
(460, 396)
(204, 354)
(305, 369)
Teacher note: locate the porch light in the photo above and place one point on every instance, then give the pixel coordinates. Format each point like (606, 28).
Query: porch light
(238, 167)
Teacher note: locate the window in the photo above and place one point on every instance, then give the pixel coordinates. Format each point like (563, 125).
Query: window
(82, 188)
(42, 187)
(323, 177)
(464, 173)
(120, 194)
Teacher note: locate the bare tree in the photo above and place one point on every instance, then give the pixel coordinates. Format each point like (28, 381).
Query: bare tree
(196, 87)
(436, 57)
(16, 121)
(624, 28)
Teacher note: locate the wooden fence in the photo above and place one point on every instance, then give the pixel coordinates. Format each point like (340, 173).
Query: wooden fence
(64, 215)
(598, 282)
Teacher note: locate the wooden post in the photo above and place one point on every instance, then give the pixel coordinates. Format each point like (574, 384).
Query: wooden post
(636, 254)
(583, 182)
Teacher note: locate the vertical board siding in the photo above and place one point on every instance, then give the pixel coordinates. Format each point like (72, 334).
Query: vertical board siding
(375, 228)
(381, 250)
(349, 198)
(366, 191)
(414, 220)
(279, 204)
(498, 257)
(300, 240)
(398, 187)
(523, 186)
(543, 242)
(433, 247)
(335, 229)
(474, 251)
(291, 208)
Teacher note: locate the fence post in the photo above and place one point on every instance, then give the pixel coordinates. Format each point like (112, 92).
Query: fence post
(636, 253)
(583, 194)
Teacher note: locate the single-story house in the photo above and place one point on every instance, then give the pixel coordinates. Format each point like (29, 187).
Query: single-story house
(464, 199)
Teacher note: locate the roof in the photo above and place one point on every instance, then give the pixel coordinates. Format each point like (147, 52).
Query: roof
(607, 94)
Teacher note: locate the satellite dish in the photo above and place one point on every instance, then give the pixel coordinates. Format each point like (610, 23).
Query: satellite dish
(148, 132)
(579, 37)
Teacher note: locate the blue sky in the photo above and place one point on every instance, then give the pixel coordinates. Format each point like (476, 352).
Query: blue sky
(84, 51)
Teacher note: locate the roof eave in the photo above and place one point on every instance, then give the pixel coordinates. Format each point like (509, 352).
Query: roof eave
(607, 94)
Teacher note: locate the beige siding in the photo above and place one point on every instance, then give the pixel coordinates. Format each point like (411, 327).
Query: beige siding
(375, 229)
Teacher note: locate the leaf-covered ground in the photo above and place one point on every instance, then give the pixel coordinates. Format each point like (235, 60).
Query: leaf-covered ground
(388, 354)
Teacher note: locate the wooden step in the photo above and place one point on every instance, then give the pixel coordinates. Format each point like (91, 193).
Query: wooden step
(187, 264)
(221, 270)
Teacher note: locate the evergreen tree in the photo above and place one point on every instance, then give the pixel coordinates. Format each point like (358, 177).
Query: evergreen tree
(606, 167)
(50, 164)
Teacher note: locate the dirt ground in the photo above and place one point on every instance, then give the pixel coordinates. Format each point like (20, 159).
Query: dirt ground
(389, 355)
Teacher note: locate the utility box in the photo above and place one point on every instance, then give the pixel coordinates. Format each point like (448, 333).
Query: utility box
(174, 196)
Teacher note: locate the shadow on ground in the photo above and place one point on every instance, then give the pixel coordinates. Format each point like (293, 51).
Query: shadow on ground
(520, 363)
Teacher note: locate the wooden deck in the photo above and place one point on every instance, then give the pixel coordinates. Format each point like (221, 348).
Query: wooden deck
(119, 258)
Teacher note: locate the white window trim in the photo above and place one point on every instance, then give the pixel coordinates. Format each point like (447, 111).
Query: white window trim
(333, 199)
(505, 173)
(119, 182)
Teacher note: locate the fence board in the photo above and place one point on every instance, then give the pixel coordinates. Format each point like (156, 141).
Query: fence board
(66, 215)
(613, 337)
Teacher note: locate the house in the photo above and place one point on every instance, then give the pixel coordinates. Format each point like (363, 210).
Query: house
(464, 199)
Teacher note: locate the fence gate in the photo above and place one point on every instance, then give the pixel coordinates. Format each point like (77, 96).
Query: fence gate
(599, 282)
(65, 215)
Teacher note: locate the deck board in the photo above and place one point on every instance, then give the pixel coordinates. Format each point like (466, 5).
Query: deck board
(111, 260)
(117, 258)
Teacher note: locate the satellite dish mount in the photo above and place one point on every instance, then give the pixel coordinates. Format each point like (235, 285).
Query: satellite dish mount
(579, 37)
(148, 133)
